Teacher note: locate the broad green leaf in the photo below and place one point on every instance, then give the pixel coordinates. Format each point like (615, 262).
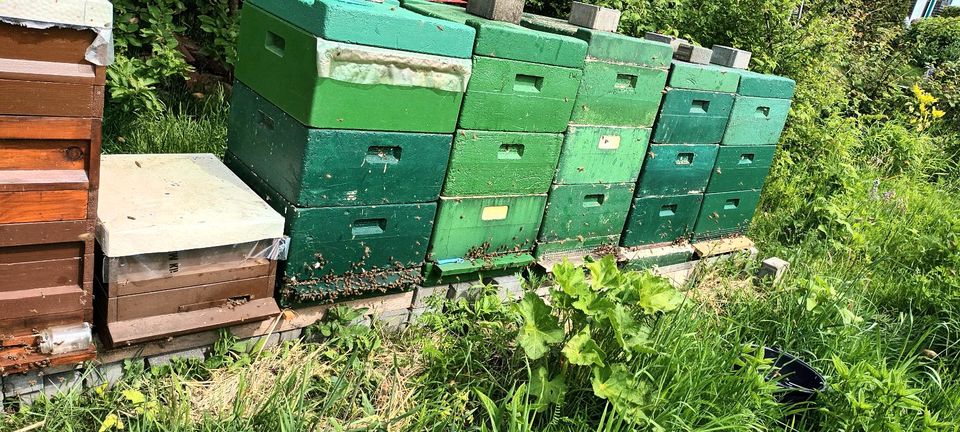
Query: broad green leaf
(631, 335)
(134, 396)
(571, 279)
(593, 303)
(539, 328)
(582, 350)
(604, 273)
(548, 391)
(111, 422)
(617, 385)
(658, 295)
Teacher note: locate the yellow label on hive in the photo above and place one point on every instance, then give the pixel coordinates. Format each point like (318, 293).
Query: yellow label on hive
(494, 213)
(609, 142)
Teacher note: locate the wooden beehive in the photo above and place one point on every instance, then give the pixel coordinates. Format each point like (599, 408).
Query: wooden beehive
(185, 246)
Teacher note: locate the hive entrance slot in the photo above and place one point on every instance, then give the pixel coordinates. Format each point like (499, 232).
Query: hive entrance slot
(668, 210)
(593, 200)
(365, 227)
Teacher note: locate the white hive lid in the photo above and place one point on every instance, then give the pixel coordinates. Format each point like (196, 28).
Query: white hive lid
(80, 13)
(174, 202)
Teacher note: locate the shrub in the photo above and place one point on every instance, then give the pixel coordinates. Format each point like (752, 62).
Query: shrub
(950, 12)
(935, 40)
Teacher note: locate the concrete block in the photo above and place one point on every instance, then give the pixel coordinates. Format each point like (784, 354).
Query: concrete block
(108, 374)
(509, 287)
(730, 57)
(15, 386)
(498, 10)
(674, 42)
(271, 340)
(291, 335)
(422, 294)
(27, 387)
(693, 54)
(416, 313)
(462, 290)
(167, 358)
(394, 320)
(773, 268)
(595, 17)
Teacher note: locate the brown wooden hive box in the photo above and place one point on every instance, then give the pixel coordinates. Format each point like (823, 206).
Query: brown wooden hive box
(184, 247)
(43, 72)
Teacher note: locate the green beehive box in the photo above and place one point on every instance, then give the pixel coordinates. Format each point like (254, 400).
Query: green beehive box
(342, 251)
(661, 219)
(597, 154)
(331, 167)
(741, 168)
(584, 216)
(501, 163)
(674, 169)
(510, 95)
(726, 213)
(508, 41)
(692, 117)
(337, 85)
(756, 121)
(712, 78)
(618, 95)
(381, 24)
(482, 227)
(606, 46)
(770, 86)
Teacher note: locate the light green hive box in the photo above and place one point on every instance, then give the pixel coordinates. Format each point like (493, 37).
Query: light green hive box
(741, 168)
(584, 216)
(482, 227)
(337, 85)
(345, 251)
(381, 24)
(623, 77)
(769, 86)
(501, 163)
(726, 213)
(661, 219)
(600, 154)
(523, 80)
(756, 121)
(711, 78)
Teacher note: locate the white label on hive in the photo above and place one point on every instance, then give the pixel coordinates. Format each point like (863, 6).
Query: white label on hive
(609, 142)
(494, 213)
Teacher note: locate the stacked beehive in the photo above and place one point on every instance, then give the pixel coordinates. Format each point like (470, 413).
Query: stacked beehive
(686, 137)
(52, 68)
(605, 143)
(507, 143)
(758, 116)
(342, 118)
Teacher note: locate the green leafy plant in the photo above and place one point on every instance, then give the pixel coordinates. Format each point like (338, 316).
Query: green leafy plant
(935, 40)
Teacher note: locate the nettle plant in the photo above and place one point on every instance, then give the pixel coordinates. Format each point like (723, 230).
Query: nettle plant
(592, 332)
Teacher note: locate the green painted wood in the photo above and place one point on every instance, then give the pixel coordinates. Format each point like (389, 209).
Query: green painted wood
(606, 46)
(674, 256)
(279, 61)
(726, 213)
(501, 163)
(756, 121)
(771, 86)
(618, 95)
(507, 95)
(661, 219)
(333, 167)
(597, 154)
(381, 24)
(480, 227)
(477, 271)
(509, 41)
(339, 251)
(741, 168)
(692, 117)
(582, 245)
(585, 210)
(674, 169)
(712, 78)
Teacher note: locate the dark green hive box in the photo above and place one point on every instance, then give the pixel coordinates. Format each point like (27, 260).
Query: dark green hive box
(673, 169)
(326, 85)
(756, 121)
(486, 226)
(578, 215)
(741, 168)
(692, 117)
(713, 78)
(501, 163)
(330, 167)
(380, 24)
(726, 213)
(770, 86)
(661, 219)
(508, 41)
(597, 154)
(343, 251)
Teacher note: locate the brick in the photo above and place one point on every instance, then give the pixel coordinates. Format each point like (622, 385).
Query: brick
(421, 295)
(509, 288)
(497, 10)
(693, 54)
(673, 41)
(27, 387)
(108, 374)
(595, 17)
(394, 320)
(291, 335)
(168, 358)
(730, 57)
(773, 268)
